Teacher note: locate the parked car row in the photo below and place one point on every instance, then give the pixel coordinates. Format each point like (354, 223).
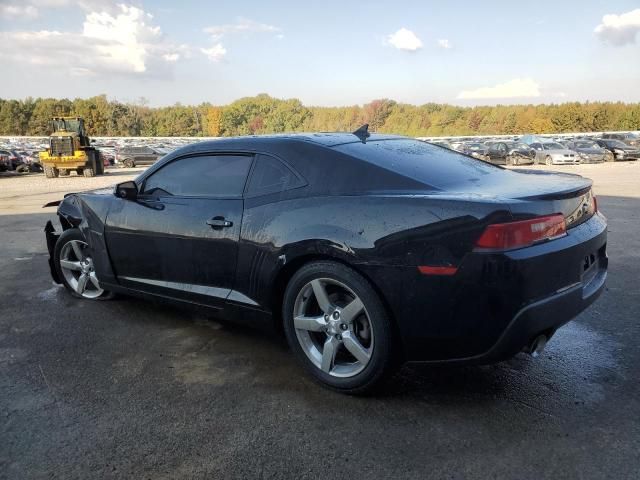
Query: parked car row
(20, 161)
(534, 149)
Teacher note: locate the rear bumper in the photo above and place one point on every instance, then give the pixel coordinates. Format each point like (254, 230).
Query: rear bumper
(496, 303)
(543, 317)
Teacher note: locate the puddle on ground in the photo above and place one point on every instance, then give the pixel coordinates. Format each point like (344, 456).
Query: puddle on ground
(51, 294)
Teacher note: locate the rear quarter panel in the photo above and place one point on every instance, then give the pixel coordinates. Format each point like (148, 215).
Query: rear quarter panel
(381, 231)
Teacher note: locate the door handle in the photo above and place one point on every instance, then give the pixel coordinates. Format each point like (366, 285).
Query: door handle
(219, 222)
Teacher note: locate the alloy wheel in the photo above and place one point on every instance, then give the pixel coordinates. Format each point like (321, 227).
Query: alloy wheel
(333, 327)
(78, 270)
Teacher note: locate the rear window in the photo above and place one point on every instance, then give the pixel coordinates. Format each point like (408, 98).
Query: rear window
(420, 161)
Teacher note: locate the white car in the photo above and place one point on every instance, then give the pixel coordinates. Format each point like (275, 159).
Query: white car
(552, 153)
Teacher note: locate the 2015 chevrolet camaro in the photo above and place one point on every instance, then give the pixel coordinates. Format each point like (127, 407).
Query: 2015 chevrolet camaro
(365, 250)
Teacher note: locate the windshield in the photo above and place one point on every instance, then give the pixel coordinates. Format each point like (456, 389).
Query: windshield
(552, 146)
(586, 145)
(475, 146)
(615, 143)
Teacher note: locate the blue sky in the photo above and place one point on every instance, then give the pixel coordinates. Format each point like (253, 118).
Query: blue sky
(324, 53)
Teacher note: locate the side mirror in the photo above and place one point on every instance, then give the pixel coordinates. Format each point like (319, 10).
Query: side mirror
(126, 190)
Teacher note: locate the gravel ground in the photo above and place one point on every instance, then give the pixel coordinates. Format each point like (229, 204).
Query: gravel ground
(133, 389)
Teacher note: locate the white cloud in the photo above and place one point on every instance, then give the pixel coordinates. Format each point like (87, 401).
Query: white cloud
(444, 43)
(619, 29)
(12, 11)
(30, 9)
(404, 39)
(215, 53)
(519, 87)
(124, 41)
(171, 57)
(243, 25)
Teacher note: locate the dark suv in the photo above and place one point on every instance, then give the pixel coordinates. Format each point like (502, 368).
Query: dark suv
(136, 156)
(630, 139)
(619, 149)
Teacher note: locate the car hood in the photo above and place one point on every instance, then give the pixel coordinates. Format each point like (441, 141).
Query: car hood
(524, 151)
(590, 151)
(558, 151)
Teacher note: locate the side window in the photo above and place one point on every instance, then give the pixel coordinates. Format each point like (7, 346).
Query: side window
(270, 175)
(205, 175)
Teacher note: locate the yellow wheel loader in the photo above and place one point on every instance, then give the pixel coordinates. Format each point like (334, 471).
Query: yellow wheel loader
(70, 149)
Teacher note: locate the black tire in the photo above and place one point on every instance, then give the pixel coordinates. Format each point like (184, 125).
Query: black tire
(65, 237)
(129, 163)
(383, 359)
(63, 172)
(80, 171)
(23, 168)
(50, 172)
(88, 172)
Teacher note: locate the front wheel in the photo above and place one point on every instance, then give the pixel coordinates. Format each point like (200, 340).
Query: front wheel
(74, 263)
(548, 161)
(338, 328)
(50, 172)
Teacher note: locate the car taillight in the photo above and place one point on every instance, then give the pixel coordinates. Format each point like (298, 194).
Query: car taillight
(511, 235)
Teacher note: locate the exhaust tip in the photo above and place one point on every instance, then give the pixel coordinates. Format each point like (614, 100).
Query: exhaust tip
(537, 346)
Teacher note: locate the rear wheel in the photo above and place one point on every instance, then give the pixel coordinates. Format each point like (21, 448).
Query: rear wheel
(50, 172)
(73, 261)
(338, 328)
(129, 163)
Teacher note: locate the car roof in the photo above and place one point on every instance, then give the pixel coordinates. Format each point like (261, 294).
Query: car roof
(325, 139)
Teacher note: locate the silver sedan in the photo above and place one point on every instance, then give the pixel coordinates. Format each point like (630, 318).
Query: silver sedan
(552, 153)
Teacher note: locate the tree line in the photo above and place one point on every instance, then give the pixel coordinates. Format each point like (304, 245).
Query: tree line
(265, 114)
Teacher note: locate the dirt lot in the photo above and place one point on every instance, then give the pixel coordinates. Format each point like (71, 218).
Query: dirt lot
(133, 389)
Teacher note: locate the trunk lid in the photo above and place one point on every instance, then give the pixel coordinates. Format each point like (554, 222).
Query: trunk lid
(536, 193)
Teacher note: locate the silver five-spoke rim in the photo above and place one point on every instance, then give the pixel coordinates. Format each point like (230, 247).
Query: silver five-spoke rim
(78, 271)
(333, 327)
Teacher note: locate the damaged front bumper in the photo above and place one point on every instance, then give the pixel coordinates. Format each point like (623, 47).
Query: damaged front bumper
(52, 238)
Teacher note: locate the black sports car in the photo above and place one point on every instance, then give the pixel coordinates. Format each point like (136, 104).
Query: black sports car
(366, 250)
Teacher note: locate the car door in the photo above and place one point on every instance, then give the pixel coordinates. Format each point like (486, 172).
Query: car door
(179, 238)
(539, 153)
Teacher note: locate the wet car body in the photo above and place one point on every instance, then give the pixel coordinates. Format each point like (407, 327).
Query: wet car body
(410, 228)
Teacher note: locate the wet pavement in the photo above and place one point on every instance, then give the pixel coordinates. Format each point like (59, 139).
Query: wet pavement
(128, 388)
